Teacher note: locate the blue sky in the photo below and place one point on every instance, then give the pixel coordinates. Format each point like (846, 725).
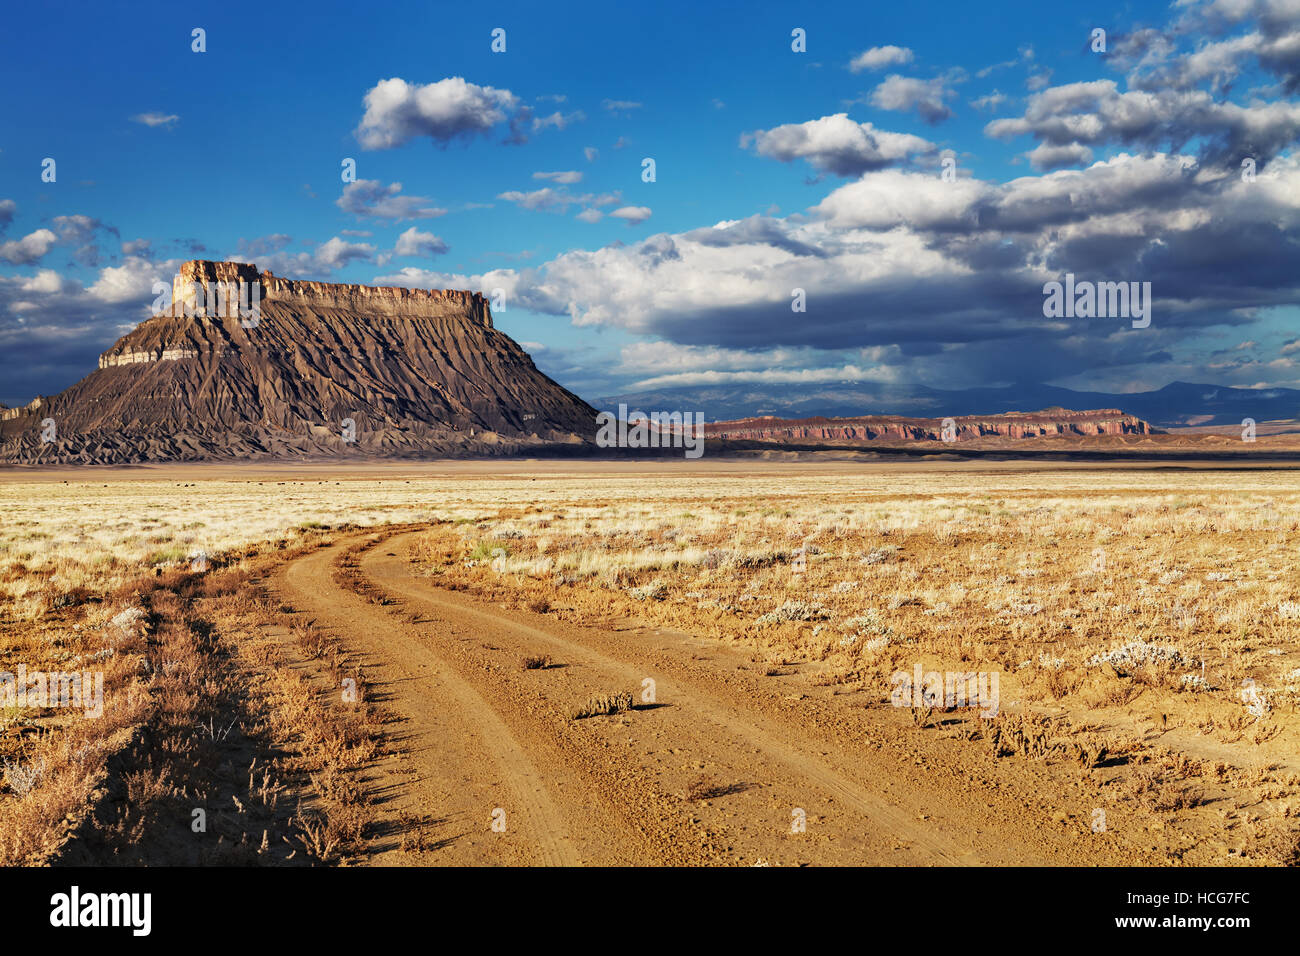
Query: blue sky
(775, 169)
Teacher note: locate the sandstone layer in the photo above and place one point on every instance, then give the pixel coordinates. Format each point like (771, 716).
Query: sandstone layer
(1056, 422)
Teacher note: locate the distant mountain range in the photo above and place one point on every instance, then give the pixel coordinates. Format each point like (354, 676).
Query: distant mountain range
(1179, 404)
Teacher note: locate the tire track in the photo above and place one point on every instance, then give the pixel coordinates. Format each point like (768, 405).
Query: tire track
(623, 788)
(453, 734)
(703, 722)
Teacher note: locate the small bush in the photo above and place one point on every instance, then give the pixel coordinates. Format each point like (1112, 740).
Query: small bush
(604, 705)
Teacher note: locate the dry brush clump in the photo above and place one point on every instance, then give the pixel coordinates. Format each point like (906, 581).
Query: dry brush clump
(601, 705)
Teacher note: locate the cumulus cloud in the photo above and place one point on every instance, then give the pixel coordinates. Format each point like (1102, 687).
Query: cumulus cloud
(1158, 58)
(909, 94)
(1045, 157)
(52, 328)
(78, 228)
(132, 281)
(371, 198)
(1097, 113)
(487, 283)
(836, 144)
(615, 106)
(879, 57)
(756, 230)
(452, 108)
(271, 252)
(30, 248)
(632, 214)
(893, 198)
(8, 208)
(415, 243)
(948, 273)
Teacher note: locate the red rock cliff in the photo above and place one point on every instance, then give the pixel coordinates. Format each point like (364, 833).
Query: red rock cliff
(1046, 423)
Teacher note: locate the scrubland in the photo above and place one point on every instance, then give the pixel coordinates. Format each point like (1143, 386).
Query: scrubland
(1145, 624)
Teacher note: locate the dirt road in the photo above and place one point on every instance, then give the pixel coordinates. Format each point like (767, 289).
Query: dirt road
(718, 764)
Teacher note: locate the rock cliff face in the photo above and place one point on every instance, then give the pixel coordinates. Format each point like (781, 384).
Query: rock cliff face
(1053, 422)
(289, 368)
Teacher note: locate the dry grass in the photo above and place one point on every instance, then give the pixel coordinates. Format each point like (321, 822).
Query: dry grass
(212, 747)
(1128, 613)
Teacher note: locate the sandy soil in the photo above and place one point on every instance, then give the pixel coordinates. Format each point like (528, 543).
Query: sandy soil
(717, 770)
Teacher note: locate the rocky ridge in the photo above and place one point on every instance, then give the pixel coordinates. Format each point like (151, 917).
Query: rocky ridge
(1056, 422)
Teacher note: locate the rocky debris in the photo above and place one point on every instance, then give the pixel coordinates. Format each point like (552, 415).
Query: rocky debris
(321, 370)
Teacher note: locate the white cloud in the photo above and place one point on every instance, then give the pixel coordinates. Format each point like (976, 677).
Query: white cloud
(76, 228)
(45, 282)
(29, 248)
(1096, 113)
(1047, 158)
(564, 177)
(891, 198)
(771, 376)
(545, 198)
(990, 101)
(558, 120)
(945, 273)
(548, 199)
(325, 258)
(397, 111)
(132, 280)
(413, 278)
(633, 214)
(156, 119)
(416, 243)
(905, 93)
(837, 144)
(370, 197)
(880, 56)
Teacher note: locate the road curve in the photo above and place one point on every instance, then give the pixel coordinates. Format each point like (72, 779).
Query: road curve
(727, 767)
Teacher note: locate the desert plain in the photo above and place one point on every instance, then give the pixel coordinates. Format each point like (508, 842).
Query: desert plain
(567, 662)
